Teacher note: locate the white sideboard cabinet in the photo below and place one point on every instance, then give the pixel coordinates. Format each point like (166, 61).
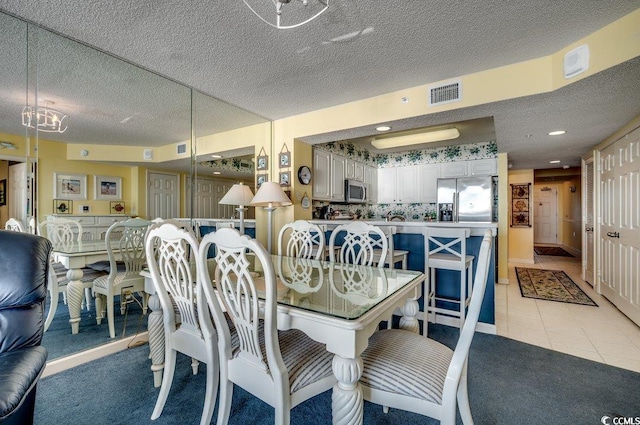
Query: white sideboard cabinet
(94, 227)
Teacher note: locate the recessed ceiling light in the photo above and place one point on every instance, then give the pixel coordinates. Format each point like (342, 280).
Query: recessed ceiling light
(556, 133)
(565, 167)
(216, 172)
(383, 128)
(555, 161)
(216, 156)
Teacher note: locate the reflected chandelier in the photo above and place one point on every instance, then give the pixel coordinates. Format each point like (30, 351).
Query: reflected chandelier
(278, 5)
(44, 119)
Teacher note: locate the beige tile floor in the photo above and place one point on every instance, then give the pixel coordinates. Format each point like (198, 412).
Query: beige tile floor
(602, 333)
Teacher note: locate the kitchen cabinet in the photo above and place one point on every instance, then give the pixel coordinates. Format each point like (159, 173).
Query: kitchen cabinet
(428, 175)
(480, 167)
(398, 185)
(338, 174)
(483, 167)
(354, 170)
(321, 179)
(371, 180)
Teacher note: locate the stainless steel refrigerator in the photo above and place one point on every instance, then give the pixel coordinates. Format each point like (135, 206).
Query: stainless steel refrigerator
(467, 199)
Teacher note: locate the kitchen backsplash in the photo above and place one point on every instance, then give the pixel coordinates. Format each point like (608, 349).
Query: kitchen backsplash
(411, 212)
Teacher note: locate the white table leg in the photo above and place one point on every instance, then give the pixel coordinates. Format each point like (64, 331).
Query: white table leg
(75, 294)
(155, 327)
(346, 401)
(408, 320)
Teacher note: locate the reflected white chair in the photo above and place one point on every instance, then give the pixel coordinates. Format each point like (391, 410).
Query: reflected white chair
(362, 244)
(188, 328)
(125, 245)
(306, 240)
(300, 274)
(408, 371)
(282, 369)
(393, 255)
(14, 225)
(446, 248)
(359, 285)
(63, 234)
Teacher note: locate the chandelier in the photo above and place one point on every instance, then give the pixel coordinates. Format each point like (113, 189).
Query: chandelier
(300, 15)
(44, 119)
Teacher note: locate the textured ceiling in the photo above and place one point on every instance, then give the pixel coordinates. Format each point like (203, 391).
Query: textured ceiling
(359, 49)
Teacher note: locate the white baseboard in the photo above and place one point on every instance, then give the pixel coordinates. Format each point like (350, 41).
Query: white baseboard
(521, 261)
(67, 362)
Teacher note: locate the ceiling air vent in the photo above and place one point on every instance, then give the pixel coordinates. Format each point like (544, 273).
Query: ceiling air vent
(447, 92)
(182, 148)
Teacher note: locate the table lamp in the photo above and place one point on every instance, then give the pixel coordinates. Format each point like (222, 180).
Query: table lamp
(240, 195)
(270, 196)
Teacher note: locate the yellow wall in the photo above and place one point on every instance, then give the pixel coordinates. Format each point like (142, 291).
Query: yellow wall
(521, 238)
(52, 158)
(4, 209)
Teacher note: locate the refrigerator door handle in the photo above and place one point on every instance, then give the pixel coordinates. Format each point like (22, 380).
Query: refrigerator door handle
(456, 199)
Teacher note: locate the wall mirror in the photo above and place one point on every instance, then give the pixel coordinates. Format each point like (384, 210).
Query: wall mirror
(121, 121)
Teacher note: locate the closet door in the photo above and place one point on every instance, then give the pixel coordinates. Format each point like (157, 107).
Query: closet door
(588, 242)
(620, 227)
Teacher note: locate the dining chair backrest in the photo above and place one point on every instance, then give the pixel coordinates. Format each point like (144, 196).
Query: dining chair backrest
(250, 301)
(33, 227)
(62, 232)
(14, 225)
(225, 225)
(306, 240)
(188, 327)
(361, 242)
(125, 243)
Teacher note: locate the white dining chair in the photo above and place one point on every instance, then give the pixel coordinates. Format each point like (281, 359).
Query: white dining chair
(14, 225)
(188, 328)
(305, 240)
(446, 248)
(63, 234)
(282, 369)
(408, 371)
(125, 248)
(362, 243)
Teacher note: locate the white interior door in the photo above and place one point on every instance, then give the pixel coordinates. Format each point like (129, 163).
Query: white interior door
(17, 189)
(163, 195)
(620, 227)
(588, 242)
(545, 227)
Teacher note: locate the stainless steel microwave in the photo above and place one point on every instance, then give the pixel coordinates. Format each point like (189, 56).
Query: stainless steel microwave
(355, 192)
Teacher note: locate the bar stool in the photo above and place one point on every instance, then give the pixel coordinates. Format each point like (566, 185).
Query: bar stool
(445, 248)
(393, 255)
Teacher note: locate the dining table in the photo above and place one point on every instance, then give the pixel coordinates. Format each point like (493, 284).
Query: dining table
(337, 304)
(74, 257)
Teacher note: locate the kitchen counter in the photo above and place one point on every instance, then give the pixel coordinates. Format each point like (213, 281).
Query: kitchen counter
(409, 237)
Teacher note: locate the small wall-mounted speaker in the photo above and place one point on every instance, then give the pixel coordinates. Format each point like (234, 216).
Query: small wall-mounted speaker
(147, 154)
(576, 61)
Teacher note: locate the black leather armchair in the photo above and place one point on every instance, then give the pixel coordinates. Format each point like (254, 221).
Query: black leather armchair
(24, 264)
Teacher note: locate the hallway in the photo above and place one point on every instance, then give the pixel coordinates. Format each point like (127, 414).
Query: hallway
(601, 334)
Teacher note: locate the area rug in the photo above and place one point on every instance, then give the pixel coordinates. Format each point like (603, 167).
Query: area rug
(551, 250)
(551, 285)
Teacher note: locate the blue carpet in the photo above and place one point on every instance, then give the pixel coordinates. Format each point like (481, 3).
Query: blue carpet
(510, 383)
(60, 342)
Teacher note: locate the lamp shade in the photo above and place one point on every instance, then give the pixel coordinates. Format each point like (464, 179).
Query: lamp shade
(239, 194)
(270, 194)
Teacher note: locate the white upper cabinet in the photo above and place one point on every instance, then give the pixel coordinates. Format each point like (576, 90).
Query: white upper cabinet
(454, 169)
(483, 167)
(321, 175)
(338, 174)
(371, 180)
(428, 182)
(480, 167)
(398, 185)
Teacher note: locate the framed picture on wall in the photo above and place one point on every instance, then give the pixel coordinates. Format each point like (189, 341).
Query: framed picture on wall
(69, 186)
(116, 207)
(261, 178)
(62, 206)
(107, 188)
(285, 178)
